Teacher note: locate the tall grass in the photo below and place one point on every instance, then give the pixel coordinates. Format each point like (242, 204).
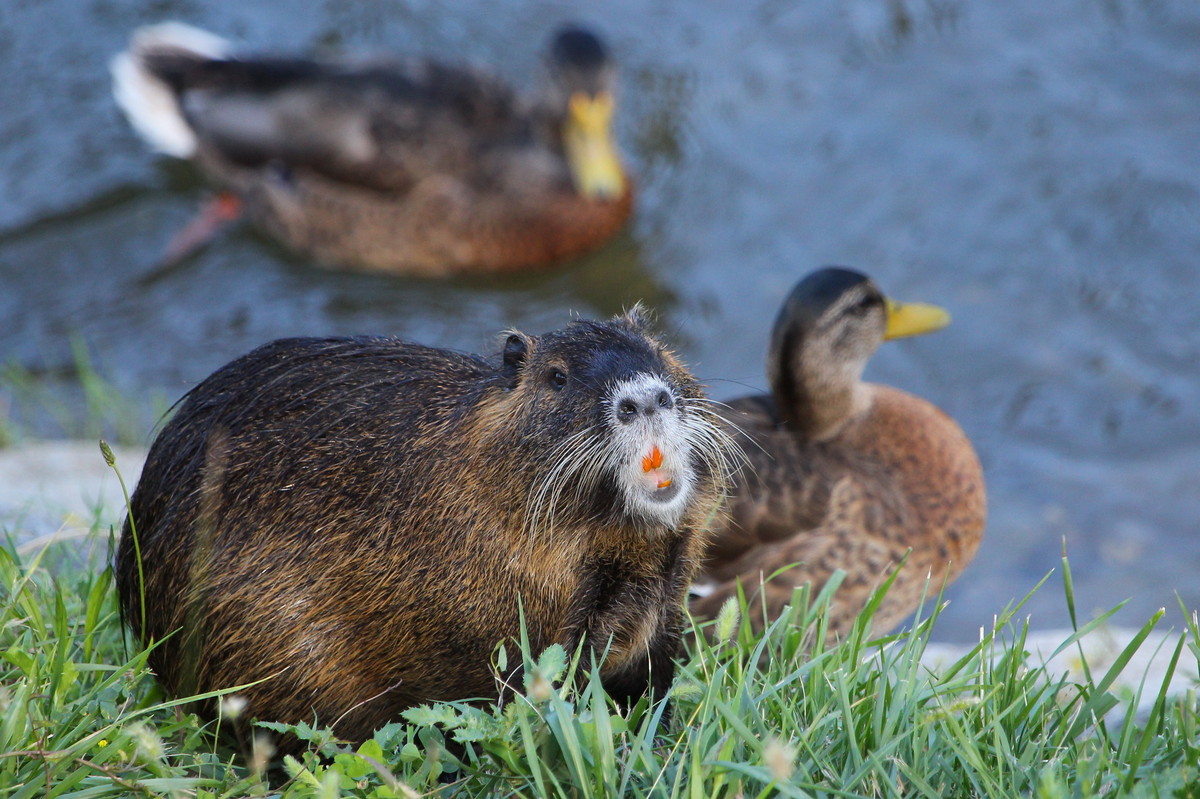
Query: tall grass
(787, 713)
(76, 401)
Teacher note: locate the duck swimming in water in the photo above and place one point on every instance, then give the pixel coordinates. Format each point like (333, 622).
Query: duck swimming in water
(404, 166)
(843, 474)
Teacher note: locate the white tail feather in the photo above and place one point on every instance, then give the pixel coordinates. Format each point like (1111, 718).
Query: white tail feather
(149, 103)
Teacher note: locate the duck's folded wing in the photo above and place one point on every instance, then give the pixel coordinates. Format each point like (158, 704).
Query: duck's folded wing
(381, 124)
(782, 489)
(769, 574)
(375, 126)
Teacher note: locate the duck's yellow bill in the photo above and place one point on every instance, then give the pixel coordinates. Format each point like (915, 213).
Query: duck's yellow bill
(591, 153)
(913, 319)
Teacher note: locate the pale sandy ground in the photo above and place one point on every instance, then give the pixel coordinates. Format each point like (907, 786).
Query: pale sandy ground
(57, 489)
(60, 489)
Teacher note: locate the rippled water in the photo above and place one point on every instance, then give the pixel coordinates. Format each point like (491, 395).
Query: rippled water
(1033, 166)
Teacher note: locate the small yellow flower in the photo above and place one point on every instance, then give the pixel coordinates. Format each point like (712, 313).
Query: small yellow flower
(102, 743)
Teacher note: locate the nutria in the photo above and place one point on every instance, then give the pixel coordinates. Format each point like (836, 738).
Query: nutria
(358, 522)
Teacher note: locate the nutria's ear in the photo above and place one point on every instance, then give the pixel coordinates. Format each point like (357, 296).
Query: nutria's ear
(517, 347)
(638, 318)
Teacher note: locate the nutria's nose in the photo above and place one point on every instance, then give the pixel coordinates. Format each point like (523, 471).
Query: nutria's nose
(644, 401)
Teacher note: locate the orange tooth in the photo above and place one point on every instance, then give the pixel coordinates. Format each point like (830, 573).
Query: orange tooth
(664, 483)
(653, 460)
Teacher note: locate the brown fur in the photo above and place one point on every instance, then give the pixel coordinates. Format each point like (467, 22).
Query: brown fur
(347, 520)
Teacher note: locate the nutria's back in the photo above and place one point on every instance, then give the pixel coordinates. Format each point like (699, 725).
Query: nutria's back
(363, 520)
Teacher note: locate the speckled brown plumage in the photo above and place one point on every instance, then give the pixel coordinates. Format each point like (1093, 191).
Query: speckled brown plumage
(439, 227)
(849, 475)
(402, 166)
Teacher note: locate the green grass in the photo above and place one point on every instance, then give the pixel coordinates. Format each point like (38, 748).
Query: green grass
(77, 401)
(783, 714)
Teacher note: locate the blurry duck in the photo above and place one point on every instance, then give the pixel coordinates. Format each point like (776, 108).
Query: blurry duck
(409, 167)
(843, 474)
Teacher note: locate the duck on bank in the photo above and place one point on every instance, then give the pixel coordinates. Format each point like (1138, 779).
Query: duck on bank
(843, 474)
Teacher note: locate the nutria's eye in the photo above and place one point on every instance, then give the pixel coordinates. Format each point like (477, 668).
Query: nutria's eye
(557, 378)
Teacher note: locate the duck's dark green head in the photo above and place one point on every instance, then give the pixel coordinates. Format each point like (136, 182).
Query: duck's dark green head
(829, 296)
(829, 326)
(581, 60)
(582, 80)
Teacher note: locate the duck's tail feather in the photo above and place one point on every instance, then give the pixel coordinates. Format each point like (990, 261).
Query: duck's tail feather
(146, 95)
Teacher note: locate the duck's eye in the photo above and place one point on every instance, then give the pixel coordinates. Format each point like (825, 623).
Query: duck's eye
(865, 304)
(557, 378)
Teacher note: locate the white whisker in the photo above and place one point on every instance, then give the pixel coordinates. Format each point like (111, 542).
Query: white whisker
(724, 420)
(570, 456)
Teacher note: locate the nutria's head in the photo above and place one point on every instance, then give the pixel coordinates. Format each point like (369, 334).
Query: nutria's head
(614, 425)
